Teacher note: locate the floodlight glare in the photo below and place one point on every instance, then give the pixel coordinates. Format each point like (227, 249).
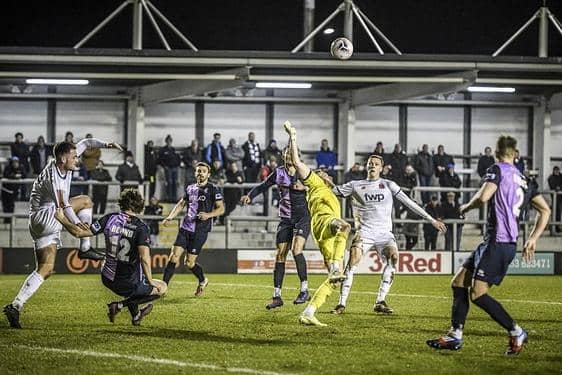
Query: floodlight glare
(56, 81)
(329, 30)
(508, 90)
(283, 85)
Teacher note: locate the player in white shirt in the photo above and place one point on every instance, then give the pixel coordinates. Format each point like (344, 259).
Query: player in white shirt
(50, 191)
(372, 207)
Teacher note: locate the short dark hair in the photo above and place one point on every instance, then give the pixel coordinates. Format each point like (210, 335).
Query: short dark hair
(131, 200)
(202, 164)
(18, 133)
(68, 133)
(377, 157)
(62, 148)
(505, 145)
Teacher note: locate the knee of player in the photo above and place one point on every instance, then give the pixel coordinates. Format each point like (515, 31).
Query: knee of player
(393, 258)
(356, 254)
(475, 294)
(190, 263)
(45, 270)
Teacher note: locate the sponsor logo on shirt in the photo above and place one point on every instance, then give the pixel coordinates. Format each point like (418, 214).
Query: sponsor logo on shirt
(373, 197)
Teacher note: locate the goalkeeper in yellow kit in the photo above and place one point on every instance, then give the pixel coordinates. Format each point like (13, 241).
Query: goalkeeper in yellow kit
(329, 230)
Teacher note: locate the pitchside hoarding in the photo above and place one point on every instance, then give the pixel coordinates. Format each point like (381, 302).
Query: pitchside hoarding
(543, 264)
(409, 262)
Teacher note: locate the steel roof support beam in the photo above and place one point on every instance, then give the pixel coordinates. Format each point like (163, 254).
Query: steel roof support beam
(400, 91)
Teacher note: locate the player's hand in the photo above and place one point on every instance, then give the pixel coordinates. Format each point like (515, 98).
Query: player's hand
(166, 222)
(115, 145)
(440, 226)
(59, 214)
(463, 209)
(529, 250)
(84, 226)
(245, 200)
(204, 216)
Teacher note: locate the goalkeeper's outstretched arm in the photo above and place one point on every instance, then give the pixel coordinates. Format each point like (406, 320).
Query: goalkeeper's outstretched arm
(302, 169)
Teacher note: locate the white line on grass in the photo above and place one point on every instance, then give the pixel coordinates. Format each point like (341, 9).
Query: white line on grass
(138, 358)
(373, 293)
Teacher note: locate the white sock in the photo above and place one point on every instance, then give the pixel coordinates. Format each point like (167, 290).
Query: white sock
(276, 292)
(85, 216)
(386, 282)
(304, 286)
(29, 287)
(309, 311)
(456, 333)
(516, 331)
(346, 286)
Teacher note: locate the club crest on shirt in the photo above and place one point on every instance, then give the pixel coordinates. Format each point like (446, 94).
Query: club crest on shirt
(381, 186)
(202, 198)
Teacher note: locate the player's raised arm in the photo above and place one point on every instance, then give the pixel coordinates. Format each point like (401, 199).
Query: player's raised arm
(175, 211)
(416, 208)
(86, 143)
(302, 169)
(541, 221)
(260, 189)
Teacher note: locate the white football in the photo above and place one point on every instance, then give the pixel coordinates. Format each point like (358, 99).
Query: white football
(341, 48)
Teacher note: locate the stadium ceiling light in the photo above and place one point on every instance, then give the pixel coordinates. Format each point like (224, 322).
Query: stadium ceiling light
(283, 85)
(53, 81)
(508, 90)
(329, 30)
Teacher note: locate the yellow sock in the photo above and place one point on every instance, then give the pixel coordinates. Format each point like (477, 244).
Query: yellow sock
(339, 247)
(322, 293)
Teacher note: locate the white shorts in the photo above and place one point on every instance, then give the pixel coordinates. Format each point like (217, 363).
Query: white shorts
(44, 228)
(377, 242)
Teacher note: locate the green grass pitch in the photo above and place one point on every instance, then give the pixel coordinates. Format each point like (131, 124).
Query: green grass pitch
(228, 330)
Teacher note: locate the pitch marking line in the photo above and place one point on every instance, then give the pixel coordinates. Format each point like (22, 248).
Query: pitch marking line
(373, 293)
(160, 361)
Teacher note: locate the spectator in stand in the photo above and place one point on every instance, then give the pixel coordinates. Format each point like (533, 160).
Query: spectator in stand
(90, 158)
(40, 154)
(397, 162)
(555, 183)
(450, 210)
(234, 153)
(150, 166)
(99, 192)
(379, 151)
(273, 150)
(14, 171)
(154, 208)
(215, 150)
(69, 137)
(485, 162)
(170, 161)
(411, 230)
(441, 161)
(423, 164)
(450, 179)
(356, 172)
(270, 166)
(218, 176)
(128, 171)
(232, 195)
(79, 174)
(191, 156)
(408, 180)
(252, 158)
(519, 162)
(326, 159)
(429, 232)
(20, 149)
(386, 172)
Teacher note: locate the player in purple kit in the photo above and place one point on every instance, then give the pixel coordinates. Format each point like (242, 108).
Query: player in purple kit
(204, 202)
(507, 192)
(293, 229)
(127, 269)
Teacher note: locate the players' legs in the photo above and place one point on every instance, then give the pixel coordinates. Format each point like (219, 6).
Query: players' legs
(279, 270)
(460, 285)
(83, 207)
(197, 270)
(390, 258)
(480, 297)
(297, 247)
(356, 253)
(173, 261)
(341, 229)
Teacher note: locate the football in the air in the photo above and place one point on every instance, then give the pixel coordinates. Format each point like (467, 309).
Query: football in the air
(341, 48)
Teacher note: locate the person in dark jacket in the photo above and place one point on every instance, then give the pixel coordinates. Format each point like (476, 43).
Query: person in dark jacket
(485, 162)
(215, 150)
(379, 151)
(99, 192)
(232, 195)
(450, 210)
(356, 172)
(441, 160)
(252, 158)
(190, 157)
(429, 232)
(423, 164)
(128, 171)
(450, 179)
(234, 154)
(170, 161)
(79, 174)
(40, 154)
(154, 208)
(519, 162)
(555, 183)
(273, 150)
(408, 180)
(14, 171)
(20, 149)
(397, 161)
(150, 166)
(326, 159)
